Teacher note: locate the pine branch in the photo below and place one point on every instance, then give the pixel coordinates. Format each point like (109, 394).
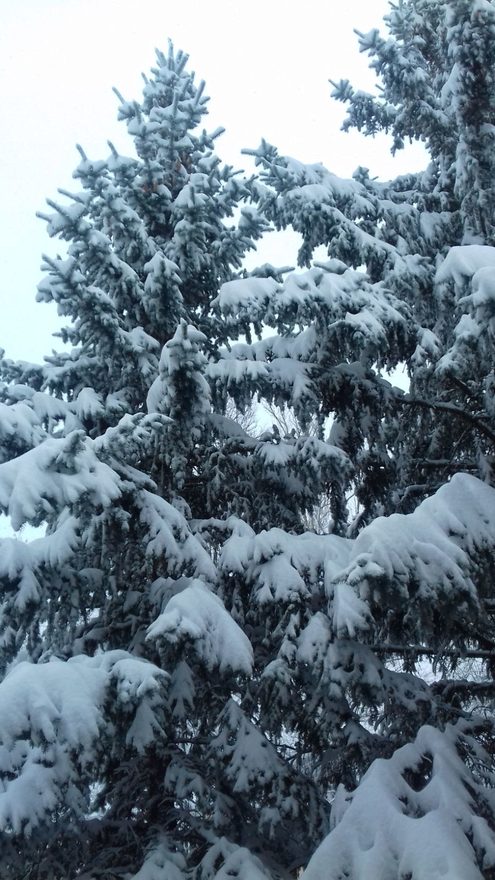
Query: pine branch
(423, 651)
(453, 410)
(446, 463)
(469, 688)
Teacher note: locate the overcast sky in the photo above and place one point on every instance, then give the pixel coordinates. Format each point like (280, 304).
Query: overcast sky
(266, 69)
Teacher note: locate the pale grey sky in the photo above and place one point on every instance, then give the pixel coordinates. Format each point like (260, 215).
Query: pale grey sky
(266, 69)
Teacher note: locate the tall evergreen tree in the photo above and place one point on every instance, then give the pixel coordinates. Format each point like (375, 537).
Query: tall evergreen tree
(194, 686)
(118, 655)
(408, 282)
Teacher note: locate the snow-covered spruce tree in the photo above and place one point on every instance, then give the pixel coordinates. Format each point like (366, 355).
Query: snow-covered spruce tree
(128, 745)
(194, 687)
(409, 280)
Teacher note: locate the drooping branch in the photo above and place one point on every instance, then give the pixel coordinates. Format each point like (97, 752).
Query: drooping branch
(449, 688)
(456, 411)
(424, 651)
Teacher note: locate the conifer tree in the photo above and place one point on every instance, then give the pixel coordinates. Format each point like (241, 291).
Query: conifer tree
(408, 282)
(194, 687)
(119, 658)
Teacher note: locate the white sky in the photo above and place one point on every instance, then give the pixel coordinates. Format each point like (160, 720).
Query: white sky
(266, 67)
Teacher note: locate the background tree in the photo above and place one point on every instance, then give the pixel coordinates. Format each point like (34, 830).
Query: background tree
(424, 299)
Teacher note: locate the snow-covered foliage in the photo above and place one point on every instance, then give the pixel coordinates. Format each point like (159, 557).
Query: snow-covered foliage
(193, 685)
(415, 814)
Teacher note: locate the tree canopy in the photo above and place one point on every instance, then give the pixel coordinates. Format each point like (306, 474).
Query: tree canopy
(196, 684)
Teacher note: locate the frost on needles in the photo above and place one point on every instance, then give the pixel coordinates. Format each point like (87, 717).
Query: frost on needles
(193, 685)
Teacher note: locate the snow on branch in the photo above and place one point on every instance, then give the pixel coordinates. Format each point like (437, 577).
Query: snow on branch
(198, 615)
(427, 558)
(54, 716)
(413, 815)
(56, 473)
